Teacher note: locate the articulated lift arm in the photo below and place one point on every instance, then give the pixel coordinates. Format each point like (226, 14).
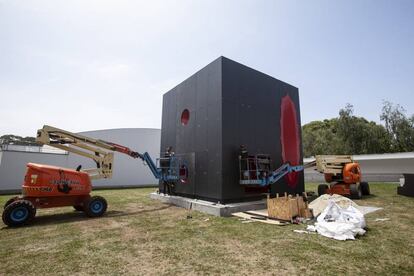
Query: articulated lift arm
(326, 164)
(148, 160)
(280, 172)
(98, 150)
(333, 164)
(264, 177)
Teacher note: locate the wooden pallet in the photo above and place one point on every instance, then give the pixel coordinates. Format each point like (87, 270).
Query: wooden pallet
(287, 207)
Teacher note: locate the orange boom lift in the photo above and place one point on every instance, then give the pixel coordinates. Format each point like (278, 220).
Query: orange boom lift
(342, 174)
(48, 186)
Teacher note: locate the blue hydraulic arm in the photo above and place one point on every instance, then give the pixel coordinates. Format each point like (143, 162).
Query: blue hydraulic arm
(283, 170)
(169, 173)
(148, 160)
(157, 172)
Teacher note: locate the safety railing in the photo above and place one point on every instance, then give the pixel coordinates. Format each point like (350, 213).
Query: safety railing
(253, 169)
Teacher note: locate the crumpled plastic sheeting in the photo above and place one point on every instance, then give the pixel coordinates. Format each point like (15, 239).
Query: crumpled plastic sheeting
(320, 204)
(339, 223)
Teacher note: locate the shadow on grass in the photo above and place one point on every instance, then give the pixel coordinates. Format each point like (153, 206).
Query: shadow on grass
(369, 196)
(80, 216)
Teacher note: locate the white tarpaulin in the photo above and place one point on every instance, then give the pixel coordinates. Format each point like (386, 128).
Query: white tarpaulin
(339, 223)
(320, 204)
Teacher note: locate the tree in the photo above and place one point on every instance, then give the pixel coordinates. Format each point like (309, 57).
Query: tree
(399, 127)
(360, 136)
(320, 137)
(347, 134)
(11, 139)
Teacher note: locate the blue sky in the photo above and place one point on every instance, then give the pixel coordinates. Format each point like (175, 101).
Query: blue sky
(84, 65)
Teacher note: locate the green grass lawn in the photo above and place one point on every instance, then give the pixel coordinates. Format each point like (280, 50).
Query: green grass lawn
(142, 236)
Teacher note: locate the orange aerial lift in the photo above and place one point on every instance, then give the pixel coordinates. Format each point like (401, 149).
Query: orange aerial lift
(48, 186)
(342, 174)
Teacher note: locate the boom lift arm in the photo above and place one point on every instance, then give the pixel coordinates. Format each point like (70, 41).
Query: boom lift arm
(280, 172)
(98, 150)
(342, 174)
(337, 168)
(255, 170)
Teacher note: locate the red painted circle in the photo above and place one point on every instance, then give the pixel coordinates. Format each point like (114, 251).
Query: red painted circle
(183, 174)
(185, 117)
(290, 138)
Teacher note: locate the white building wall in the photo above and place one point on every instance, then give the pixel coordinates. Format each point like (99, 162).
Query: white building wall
(128, 172)
(13, 166)
(387, 167)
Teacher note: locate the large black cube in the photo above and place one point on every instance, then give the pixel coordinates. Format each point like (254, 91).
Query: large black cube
(224, 105)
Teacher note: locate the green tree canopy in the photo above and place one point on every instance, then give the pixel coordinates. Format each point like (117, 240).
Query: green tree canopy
(399, 126)
(11, 139)
(349, 134)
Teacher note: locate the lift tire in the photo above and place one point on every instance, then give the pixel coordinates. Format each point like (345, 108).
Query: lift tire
(328, 177)
(78, 208)
(355, 190)
(18, 213)
(95, 206)
(11, 200)
(365, 188)
(322, 188)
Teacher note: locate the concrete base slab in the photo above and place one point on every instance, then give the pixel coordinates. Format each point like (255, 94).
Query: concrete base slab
(216, 209)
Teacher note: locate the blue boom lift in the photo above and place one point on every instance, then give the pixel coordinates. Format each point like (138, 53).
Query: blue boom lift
(255, 170)
(170, 168)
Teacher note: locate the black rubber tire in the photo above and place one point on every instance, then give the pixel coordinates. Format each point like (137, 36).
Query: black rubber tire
(78, 208)
(365, 188)
(355, 190)
(11, 200)
(18, 213)
(322, 188)
(95, 206)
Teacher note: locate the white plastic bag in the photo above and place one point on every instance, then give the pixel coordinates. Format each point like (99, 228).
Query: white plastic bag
(339, 223)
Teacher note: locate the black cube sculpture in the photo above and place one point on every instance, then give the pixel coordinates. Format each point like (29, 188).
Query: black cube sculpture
(224, 105)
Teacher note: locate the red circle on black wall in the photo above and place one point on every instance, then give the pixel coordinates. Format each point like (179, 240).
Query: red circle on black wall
(183, 174)
(185, 117)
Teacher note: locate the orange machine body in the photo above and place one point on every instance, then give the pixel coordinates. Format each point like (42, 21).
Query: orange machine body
(351, 173)
(49, 186)
(341, 183)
